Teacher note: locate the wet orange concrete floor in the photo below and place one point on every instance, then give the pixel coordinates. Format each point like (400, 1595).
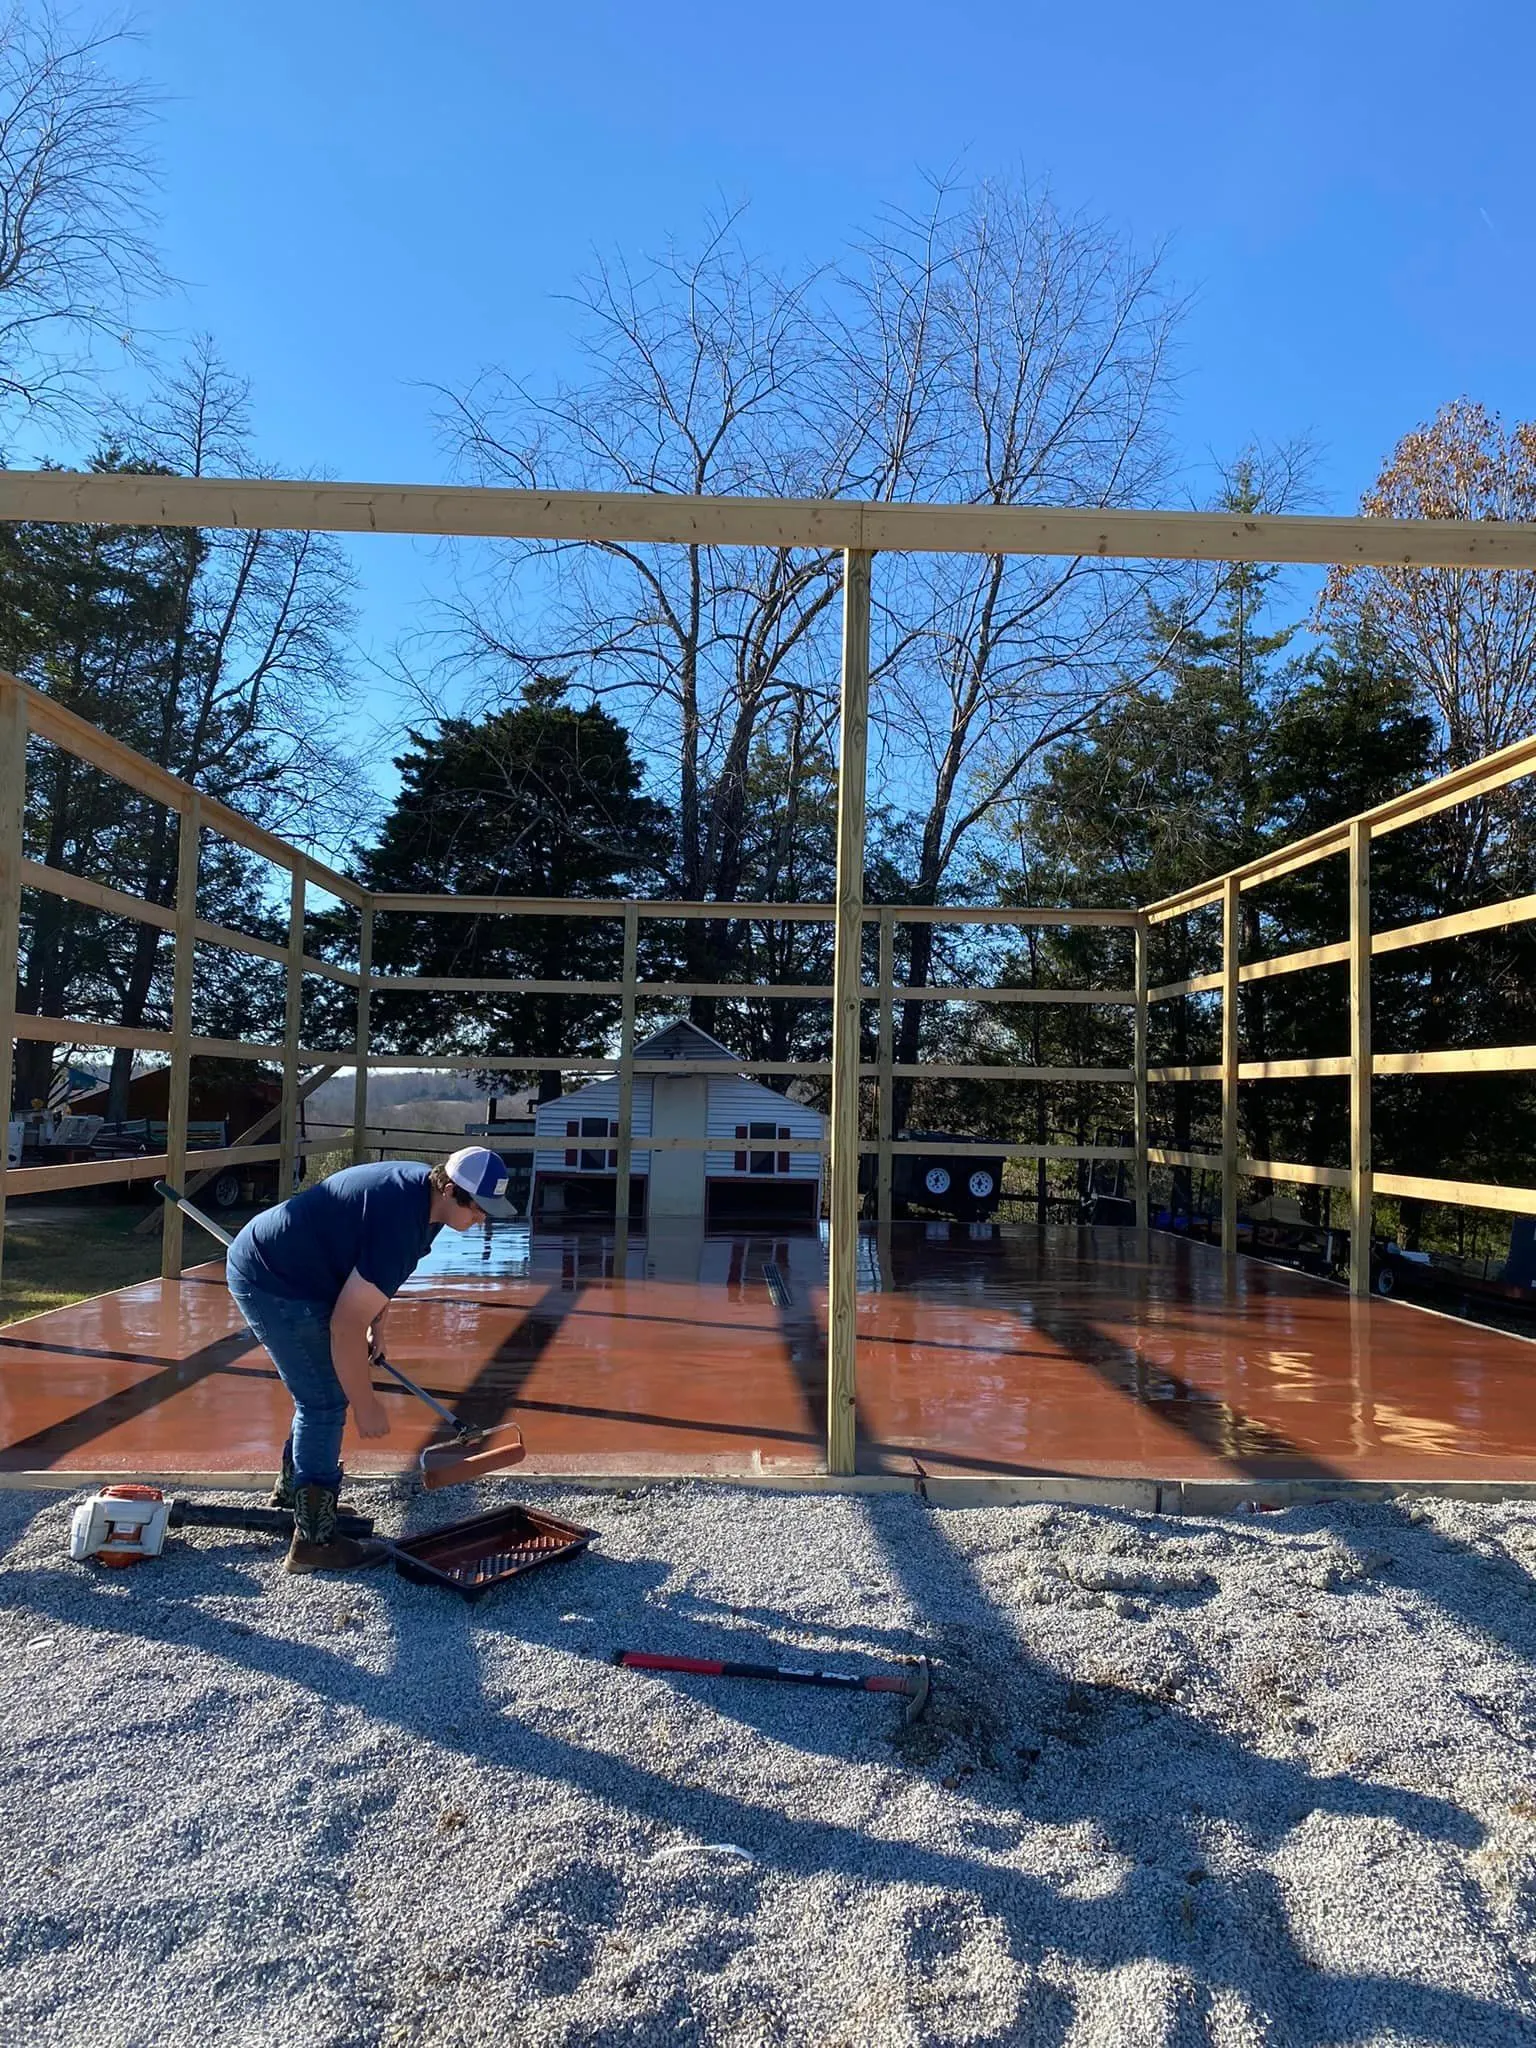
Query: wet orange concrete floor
(1080, 1352)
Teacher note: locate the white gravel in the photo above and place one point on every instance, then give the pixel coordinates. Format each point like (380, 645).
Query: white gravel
(1260, 1780)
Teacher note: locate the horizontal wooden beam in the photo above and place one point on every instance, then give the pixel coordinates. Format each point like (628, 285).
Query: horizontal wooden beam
(1295, 963)
(1294, 1171)
(70, 1031)
(1159, 1155)
(1196, 985)
(973, 913)
(1326, 1069)
(1484, 1059)
(482, 512)
(1108, 996)
(77, 736)
(224, 935)
(662, 910)
(1491, 917)
(1477, 778)
(1467, 1194)
(937, 1070)
(423, 984)
(96, 1173)
(1260, 1070)
(980, 1149)
(116, 902)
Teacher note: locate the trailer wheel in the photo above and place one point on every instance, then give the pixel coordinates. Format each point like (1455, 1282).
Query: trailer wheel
(1385, 1282)
(225, 1192)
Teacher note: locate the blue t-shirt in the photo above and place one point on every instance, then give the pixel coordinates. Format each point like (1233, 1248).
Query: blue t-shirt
(373, 1219)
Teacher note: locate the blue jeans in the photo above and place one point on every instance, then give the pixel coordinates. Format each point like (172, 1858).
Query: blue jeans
(297, 1335)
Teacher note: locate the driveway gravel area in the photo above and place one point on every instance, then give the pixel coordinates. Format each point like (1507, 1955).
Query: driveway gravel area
(1268, 1778)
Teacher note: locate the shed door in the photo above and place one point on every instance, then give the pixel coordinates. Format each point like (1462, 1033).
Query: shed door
(679, 1109)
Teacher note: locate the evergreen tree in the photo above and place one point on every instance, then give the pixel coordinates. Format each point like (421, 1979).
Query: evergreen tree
(542, 800)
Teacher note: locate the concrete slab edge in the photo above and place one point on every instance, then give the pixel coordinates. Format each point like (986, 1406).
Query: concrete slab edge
(1135, 1496)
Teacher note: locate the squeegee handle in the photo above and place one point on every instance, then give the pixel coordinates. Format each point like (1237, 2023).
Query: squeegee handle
(179, 1201)
(789, 1674)
(377, 1358)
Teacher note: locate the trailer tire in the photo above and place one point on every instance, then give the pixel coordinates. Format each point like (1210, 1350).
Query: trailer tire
(1385, 1282)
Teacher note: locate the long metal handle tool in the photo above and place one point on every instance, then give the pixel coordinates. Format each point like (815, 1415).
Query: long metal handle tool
(915, 1683)
(471, 1451)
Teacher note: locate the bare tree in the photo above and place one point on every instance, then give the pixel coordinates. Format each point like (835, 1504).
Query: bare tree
(994, 351)
(1467, 637)
(217, 654)
(1004, 353)
(76, 255)
(706, 376)
(255, 672)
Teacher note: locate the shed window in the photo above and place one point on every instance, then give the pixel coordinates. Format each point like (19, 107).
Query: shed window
(598, 1162)
(761, 1162)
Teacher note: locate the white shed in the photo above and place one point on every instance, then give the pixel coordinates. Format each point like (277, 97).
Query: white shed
(747, 1176)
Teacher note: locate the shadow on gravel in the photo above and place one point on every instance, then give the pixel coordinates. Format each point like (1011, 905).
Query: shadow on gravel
(1230, 1934)
(1041, 1749)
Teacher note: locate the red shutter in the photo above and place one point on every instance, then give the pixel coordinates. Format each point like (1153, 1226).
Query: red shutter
(613, 1157)
(784, 1157)
(572, 1130)
(741, 1157)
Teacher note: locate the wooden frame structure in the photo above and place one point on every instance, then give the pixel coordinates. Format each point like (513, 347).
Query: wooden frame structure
(859, 530)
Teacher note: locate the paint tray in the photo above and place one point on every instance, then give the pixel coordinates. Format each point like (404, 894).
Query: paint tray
(473, 1557)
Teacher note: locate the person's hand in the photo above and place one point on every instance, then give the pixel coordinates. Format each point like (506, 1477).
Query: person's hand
(372, 1419)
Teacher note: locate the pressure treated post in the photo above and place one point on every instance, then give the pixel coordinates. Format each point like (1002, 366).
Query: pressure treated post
(847, 980)
(13, 799)
(189, 835)
(360, 1044)
(1142, 1189)
(289, 1133)
(1360, 1205)
(626, 1151)
(886, 1082)
(1229, 1046)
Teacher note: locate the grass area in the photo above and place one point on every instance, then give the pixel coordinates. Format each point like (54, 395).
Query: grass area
(55, 1256)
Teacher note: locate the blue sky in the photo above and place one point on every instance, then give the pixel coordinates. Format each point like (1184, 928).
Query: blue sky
(366, 199)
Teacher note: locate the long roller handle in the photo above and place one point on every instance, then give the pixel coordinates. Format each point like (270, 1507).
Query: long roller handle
(164, 1188)
(790, 1674)
(170, 1194)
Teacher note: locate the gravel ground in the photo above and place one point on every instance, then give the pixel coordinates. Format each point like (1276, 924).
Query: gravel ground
(1261, 1780)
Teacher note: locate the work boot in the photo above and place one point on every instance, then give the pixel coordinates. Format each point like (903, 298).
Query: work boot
(281, 1495)
(316, 1547)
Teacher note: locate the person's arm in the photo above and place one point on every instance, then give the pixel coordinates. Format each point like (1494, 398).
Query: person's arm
(359, 1305)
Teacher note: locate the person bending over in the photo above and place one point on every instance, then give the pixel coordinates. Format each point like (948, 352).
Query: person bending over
(314, 1277)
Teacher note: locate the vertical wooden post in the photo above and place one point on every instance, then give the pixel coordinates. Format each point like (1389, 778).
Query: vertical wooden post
(1360, 1171)
(189, 835)
(1142, 1189)
(289, 1133)
(1229, 1051)
(13, 803)
(360, 1044)
(886, 1082)
(628, 975)
(847, 980)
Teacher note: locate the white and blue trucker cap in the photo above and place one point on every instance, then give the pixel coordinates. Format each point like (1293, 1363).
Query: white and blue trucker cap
(483, 1177)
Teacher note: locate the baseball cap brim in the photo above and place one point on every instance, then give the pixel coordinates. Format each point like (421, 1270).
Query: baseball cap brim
(496, 1207)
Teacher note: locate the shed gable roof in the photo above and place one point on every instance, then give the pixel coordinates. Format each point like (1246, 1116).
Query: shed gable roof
(681, 1040)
